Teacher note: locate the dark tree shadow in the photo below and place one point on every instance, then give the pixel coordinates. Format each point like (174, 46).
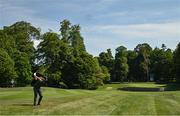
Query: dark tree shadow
(167, 87)
(141, 89)
(172, 87)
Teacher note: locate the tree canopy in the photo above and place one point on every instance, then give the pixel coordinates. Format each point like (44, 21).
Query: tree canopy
(63, 58)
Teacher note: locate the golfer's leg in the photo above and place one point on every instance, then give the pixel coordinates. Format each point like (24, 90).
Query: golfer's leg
(35, 95)
(40, 96)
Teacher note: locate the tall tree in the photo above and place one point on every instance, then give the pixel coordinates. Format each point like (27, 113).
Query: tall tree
(65, 28)
(71, 35)
(106, 59)
(142, 61)
(48, 48)
(17, 39)
(120, 66)
(162, 64)
(67, 60)
(77, 40)
(131, 57)
(177, 62)
(53, 54)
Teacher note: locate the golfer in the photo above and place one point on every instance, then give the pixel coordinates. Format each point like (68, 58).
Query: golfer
(37, 83)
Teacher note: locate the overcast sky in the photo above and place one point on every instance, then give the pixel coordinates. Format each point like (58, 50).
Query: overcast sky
(104, 23)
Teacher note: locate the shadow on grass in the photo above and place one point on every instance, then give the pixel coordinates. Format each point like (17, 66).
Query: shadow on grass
(141, 89)
(22, 104)
(172, 87)
(167, 87)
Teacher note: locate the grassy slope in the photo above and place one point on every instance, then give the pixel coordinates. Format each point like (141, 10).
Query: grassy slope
(106, 100)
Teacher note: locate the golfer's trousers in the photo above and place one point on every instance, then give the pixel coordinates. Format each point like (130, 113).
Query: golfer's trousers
(37, 91)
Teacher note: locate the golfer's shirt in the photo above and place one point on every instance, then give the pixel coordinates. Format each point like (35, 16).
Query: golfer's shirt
(37, 83)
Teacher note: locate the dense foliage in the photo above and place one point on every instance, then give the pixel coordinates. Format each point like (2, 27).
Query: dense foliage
(177, 63)
(16, 40)
(7, 70)
(63, 58)
(120, 65)
(145, 64)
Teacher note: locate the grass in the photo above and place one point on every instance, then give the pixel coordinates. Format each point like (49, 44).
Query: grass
(107, 100)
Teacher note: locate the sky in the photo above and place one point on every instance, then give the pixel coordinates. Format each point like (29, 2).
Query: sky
(104, 23)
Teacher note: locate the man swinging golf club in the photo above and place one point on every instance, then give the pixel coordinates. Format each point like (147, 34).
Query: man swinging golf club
(37, 83)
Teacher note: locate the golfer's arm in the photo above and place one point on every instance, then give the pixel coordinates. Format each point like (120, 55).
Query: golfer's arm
(40, 78)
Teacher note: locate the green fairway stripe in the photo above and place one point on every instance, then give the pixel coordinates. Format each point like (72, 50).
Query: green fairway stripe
(18, 101)
(166, 104)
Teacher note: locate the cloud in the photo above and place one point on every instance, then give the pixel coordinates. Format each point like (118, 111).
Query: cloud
(163, 31)
(105, 23)
(166, 31)
(12, 12)
(101, 37)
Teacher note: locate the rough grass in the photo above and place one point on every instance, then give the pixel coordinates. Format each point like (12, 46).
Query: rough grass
(107, 100)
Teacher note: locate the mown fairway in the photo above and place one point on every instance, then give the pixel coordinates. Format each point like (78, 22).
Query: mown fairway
(106, 100)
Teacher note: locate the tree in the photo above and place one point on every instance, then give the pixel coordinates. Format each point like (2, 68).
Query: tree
(142, 61)
(48, 48)
(16, 40)
(7, 70)
(7, 43)
(72, 36)
(131, 57)
(65, 28)
(67, 60)
(105, 76)
(162, 64)
(53, 53)
(83, 72)
(22, 68)
(81, 64)
(106, 60)
(77, 41)
(177, 63)
(120, 66)
(23, 33)
(168, 67)
(64, 59)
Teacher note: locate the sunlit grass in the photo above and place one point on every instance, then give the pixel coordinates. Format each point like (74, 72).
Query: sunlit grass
(107, 100)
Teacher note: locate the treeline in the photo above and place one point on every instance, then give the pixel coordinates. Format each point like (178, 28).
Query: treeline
(142, 64)
(63, 58)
